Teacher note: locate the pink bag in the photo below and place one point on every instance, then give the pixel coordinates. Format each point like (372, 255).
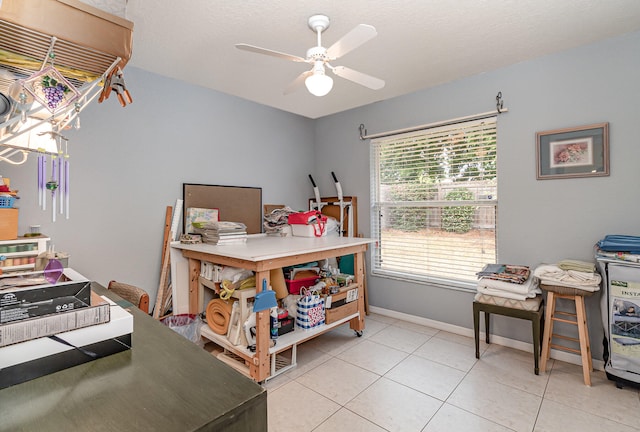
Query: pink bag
(313, 217)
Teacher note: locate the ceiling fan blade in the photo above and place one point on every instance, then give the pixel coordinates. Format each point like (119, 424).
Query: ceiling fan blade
(358, 77)
(255, 49)
(297, 83)
(352, 40)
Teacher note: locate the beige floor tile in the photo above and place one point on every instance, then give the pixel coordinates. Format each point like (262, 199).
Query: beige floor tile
(338, 380)
(286, 408)
(451, 419)
(400, 338)
(394, 406)
(501, 404)
(556, 417)
(276, 383)
(347, 421)
(307, 358)
(426, 376)
(416, 327)
(449, 353)
(603, 398)
(335, 341)
(373, 356)
(381, 318)
(511, 367)
(460, 339)
(372, 327)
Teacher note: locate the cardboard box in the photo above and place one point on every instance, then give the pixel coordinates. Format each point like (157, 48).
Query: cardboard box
(8, 223)
(33, 301)
(35, 358)
(34, 328)
(341, 305)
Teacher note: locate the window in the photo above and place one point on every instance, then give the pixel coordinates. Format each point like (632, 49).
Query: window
(434, 203)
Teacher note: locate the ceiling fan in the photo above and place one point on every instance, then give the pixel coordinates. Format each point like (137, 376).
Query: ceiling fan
(316, 81)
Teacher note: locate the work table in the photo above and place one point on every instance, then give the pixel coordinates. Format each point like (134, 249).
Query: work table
(260, 254)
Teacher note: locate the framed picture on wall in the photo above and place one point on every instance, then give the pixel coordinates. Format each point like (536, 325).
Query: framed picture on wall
(573, 152)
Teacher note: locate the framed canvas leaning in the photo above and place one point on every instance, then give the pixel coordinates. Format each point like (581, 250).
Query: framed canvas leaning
(573, 152)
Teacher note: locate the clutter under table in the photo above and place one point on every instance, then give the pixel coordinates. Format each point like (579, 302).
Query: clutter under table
(261, 254)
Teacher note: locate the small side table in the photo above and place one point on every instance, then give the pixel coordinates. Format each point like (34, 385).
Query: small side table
(536, 317)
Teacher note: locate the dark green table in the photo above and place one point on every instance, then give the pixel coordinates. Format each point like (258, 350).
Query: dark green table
(164, 383)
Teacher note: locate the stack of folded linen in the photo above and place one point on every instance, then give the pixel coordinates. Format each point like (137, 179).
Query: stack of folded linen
(570, 273)
(508, 281)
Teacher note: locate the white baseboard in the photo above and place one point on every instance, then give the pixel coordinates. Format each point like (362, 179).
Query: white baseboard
(499, 340)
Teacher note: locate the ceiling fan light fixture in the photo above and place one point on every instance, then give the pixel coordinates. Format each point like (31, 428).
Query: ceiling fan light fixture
(318, 84)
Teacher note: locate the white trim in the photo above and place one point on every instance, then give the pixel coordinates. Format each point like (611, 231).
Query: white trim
(499, 340)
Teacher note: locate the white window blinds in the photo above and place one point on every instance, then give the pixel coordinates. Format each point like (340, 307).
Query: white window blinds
(434, 202)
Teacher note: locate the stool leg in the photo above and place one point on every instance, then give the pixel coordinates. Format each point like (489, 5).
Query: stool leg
(536, 344)
(548, 330)
(583, 332)
(486, 325)
(476, 327)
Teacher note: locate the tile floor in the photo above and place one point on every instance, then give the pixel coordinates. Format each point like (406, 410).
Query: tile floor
(401, 376)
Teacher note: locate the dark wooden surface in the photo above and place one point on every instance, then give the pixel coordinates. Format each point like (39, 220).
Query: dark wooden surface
(164, 383)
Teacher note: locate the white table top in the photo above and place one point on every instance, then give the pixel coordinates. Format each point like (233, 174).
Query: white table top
(260, 247)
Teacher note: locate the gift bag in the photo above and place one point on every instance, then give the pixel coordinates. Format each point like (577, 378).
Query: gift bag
(310, 311)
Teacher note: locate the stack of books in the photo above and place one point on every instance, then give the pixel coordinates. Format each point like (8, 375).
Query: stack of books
(221, 233)
(48, 327)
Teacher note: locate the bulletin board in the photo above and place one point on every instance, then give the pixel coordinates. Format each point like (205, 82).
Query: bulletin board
(234, 203)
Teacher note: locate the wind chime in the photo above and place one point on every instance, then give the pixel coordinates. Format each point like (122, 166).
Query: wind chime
(58, 183)
(52, 90)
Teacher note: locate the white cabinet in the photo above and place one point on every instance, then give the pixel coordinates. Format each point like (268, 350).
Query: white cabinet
(20, 254)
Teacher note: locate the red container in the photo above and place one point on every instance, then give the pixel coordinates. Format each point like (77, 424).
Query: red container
(294, 286)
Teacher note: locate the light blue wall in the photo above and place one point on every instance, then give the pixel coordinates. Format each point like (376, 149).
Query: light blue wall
(539, 221)
(129, 164)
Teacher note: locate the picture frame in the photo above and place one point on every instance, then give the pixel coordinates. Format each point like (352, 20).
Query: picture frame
(573, 152)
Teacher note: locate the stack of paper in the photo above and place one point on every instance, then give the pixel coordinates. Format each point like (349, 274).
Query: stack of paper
(221, 233)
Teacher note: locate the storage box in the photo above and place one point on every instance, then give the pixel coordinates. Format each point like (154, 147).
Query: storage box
(28, 302)
(341, 305)
(294, 286)
(311, 230)
(34, 328)
(8, 223)
(286, 326)
(35, 358)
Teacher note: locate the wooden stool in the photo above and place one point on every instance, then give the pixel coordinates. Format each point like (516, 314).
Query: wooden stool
(578, 319)
(535, 316)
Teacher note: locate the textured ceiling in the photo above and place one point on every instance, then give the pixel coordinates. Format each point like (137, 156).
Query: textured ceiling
(420, 43)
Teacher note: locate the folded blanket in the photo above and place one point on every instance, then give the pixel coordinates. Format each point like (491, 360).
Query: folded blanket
(554, 275)
(524, 288)
(582, 266)
(507, 294)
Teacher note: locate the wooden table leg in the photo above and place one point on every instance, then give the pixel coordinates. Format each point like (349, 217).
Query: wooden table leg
(195, 292)
(260, 368)
(476, 327)
(548, 330)
(357, 324)
(583, 332)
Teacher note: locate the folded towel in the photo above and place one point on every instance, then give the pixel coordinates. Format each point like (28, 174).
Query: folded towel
(507, 294)
(583, 266)
(524, 288)
(554, 275)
